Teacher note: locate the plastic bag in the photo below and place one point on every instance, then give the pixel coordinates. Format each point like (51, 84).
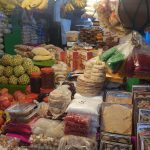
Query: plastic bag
(49, 128)
(59, 100)
(115, 56)
(89, 106)
(78, 124)
(138, 62)
(108, 15)
(75, 142)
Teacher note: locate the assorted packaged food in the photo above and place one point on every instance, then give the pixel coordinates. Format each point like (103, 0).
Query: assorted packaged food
(41, 142)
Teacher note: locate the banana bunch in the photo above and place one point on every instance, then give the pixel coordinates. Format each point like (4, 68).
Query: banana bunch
(8, 4)
(36, 4)
(68, 8)
(79, 3)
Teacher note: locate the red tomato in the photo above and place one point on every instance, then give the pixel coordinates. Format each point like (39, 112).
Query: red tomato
(46, 99)
(3, 91)
(10, 97)
(31, 97)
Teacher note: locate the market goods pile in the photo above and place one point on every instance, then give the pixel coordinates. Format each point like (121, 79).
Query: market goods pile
(16, 70)
(91, 83)
(48, 51)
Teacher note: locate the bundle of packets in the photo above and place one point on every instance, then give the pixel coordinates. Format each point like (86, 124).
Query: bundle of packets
(77, 125)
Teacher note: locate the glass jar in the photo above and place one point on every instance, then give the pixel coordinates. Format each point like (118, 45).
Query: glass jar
(48, 78)
(35, 81)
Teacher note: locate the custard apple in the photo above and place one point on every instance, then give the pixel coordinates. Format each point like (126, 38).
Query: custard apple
(7, 60)
(13, 80)
(27, 63)
(1, 70)
(18, 71)
(3, 80)
(33, 69)
(24, 79)
(17, 60)
(8, 71)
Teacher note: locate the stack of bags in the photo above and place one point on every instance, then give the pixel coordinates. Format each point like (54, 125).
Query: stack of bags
(29, 35)
(20, 117)
(61, 71)
(4, 29)
(59, 100)
(86, 109)
(91, 83)
(79, 125)
(141, 101)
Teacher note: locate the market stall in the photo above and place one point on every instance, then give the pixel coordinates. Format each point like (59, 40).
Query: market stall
(91, 95)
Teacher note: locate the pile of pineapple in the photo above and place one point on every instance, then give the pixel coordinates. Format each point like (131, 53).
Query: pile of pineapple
(16, 70)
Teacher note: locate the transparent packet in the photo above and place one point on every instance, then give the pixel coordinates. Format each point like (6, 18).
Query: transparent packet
(144, 116)
(112, 113)
(21, 109)
(105, 145)
(25, 119)
(118, 138)
(77, 142)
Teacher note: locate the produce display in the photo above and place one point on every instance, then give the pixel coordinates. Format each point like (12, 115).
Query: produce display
(89, 96)
(16, 70)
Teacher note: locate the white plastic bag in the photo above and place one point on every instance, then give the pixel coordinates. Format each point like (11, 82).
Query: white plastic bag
(49, 128)
(84, 105)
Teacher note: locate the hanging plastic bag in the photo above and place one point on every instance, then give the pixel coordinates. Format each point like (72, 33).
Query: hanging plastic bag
(116, 56)
(107, 11)
(138, 62)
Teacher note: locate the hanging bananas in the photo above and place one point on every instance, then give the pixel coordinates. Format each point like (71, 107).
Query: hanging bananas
(8, 4)
(68, 7)
(79, 3)
(36, 4)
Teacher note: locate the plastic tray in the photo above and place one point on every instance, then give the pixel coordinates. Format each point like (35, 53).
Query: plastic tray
(21, 109)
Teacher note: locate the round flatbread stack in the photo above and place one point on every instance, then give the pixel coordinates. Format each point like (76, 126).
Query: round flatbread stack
(87, 87)
(91, 83)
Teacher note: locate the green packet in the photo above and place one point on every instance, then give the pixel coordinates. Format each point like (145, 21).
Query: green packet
(108, 54)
